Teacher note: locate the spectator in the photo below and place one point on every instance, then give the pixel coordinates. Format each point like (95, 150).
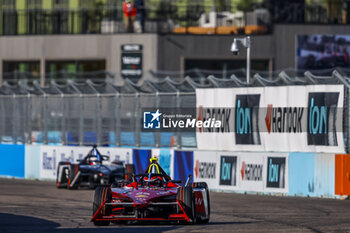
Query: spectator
(129, 15)
(140, 11)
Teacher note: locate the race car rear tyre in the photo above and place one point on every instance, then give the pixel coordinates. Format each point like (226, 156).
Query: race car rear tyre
(186, 198)
(73, 170)
(129, 171)
(205, 186)
(61, 179)
(102, 194)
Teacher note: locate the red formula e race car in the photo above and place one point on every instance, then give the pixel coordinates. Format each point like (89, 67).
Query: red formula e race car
(151, 196)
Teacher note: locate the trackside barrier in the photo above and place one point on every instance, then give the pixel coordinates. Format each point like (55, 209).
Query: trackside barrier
(32, 161)
(324, 175)
(342, 174)
(165, 157)
(312, 174)
(141, 159)
(300, 174)
(12, 160)
(242, 171)
(42, 161)
(183, 165)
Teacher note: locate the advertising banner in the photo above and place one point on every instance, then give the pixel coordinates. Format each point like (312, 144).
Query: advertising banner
(141, 160)
(12, 160)
(206, 168)
(302, 174)
(183, 165)
(228, 173)
(164, 159)
(117, 154)
(32, 161)
(252, 170)
(50, 156)
(276, 172)
(325, 175)
(282, 119)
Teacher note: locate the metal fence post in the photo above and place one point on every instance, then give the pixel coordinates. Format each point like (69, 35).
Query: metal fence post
(29, 119)
(45, 119)
(137, 119)
(178, 132)
(117, 119)
(14, 117)
(81, 120)
(98, 119)
(157, 133)
(64, 133)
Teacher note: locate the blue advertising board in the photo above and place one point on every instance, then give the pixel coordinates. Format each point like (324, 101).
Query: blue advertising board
(12, 160)
(164, 160)
(302, 174)
(183, 165)
(141, 160)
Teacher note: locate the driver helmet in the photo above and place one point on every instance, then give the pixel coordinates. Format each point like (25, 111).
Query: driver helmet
(95, 157)
(153, 169)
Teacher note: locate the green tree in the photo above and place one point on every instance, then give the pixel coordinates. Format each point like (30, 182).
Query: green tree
(245, 5)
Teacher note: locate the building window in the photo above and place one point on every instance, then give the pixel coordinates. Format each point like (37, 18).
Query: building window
(34, 4)
(15, 70)
(9, 17)
(75, 69)
(8, 4)
(60, 4)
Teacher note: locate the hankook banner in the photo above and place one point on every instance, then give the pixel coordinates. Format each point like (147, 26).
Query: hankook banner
(284, 119)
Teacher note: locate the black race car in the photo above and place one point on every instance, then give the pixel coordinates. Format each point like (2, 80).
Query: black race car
(91, 171)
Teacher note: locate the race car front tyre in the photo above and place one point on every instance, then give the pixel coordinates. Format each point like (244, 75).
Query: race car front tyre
(102, 194)
(186, 198)
(205, 186)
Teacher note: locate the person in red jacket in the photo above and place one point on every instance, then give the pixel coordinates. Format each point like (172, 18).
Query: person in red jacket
(129, 15)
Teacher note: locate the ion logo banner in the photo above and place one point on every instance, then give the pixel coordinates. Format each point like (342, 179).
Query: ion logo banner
(276, 170)
(322, 118)
(228, 167)
(247, 116)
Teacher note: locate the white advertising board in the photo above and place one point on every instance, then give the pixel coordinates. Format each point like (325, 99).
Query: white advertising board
(282, 119)
(206, 168)
(50, 156)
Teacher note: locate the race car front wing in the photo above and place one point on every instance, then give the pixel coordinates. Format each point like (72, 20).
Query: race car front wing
(99, 216)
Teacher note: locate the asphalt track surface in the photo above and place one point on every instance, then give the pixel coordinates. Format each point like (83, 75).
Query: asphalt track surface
(37, 206)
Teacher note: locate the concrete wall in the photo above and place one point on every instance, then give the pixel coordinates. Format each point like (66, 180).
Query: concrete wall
(173, 49)
(161, 52)
(67, 47)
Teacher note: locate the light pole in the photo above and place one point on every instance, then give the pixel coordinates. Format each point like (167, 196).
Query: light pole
(235, 50)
